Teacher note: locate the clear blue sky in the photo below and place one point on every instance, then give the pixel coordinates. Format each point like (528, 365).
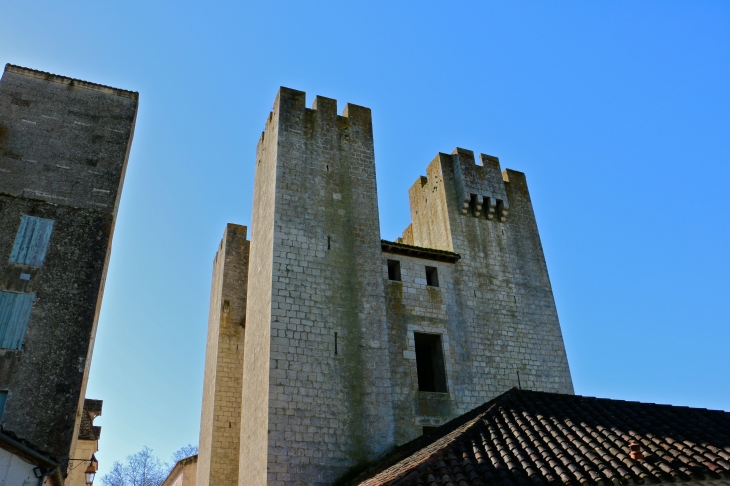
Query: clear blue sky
(619, 113)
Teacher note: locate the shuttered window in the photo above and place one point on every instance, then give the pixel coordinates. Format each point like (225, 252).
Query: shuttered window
(31, 242)
(14, 315)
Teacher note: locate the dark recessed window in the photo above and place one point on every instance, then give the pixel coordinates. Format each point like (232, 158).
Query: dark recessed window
(432, 276)
(428, 429)
(430, 363)
(394, 270)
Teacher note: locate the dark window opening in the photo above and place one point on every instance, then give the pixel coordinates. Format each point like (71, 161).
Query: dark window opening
(394, 270)
(432, 277)
(335, 344)
(428, 429)
(475, 205)
(430, 363)
(329, 243)
(500, 208)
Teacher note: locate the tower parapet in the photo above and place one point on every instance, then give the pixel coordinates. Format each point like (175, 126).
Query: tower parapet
(480, 188)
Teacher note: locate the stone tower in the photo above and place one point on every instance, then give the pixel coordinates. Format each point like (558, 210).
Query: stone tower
(353, 344)
(220, 422)
(64, 146)
(316, 385)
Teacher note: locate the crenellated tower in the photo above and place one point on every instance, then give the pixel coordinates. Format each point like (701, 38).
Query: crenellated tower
(316, 392)
(354, 345)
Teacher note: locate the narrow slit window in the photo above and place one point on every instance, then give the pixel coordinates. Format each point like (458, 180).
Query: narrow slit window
(432, 277)
(31, 241)
(14, 315)
(430, 363)
(394, 270)
(329, 243)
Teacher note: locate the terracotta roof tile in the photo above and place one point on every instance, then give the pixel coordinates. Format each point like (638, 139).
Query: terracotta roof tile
(526, 438)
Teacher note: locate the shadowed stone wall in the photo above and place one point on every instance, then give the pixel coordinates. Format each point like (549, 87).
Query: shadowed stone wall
(64, 146)
(494, 307)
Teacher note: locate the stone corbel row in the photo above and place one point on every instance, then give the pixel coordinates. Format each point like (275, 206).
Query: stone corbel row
(474, 204)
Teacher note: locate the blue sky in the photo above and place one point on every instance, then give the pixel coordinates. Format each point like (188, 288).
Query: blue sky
(618, 112)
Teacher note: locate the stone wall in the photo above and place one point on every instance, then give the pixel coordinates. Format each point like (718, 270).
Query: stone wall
(220, 421)
(328, 392)
(330, 380)
(64, 146)
(503, 307)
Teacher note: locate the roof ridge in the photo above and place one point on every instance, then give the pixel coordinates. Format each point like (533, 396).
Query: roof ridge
(418, 247)
(57, 78)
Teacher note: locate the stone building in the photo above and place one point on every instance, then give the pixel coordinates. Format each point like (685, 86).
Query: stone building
(64, 145)
(87, 444)
(183, 472)
(354, 345)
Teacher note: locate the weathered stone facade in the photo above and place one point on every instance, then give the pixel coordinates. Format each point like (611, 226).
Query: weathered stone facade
(64, 146)
(220, 422)
(330, 375)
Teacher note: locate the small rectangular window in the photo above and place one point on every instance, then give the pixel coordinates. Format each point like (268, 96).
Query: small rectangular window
(428, 429)
(430, 363)
(3, 398)
(14, 315)
(31, 242)
(394, 270)
(432, 276)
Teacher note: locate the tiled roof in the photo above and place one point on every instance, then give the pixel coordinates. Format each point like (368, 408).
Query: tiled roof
(419, 252)
(526, 438)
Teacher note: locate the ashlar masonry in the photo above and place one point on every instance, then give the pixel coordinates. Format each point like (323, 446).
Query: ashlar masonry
(327, 346)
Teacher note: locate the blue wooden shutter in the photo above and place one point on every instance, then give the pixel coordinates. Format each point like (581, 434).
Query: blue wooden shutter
(31, 242)
(14, 316)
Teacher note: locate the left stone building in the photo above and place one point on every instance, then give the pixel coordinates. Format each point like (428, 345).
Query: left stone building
(64, 146)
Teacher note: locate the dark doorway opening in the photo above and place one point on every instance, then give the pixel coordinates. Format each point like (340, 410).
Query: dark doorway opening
(394, 270)
(432, 276)
(430, 363)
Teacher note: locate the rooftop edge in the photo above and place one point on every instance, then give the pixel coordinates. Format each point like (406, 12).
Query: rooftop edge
(419, 252)
(55, 78)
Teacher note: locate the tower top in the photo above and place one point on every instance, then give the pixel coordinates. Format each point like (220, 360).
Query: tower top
(78, 83)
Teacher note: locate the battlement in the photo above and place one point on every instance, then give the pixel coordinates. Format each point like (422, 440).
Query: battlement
(355, 123)
(479, 187)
